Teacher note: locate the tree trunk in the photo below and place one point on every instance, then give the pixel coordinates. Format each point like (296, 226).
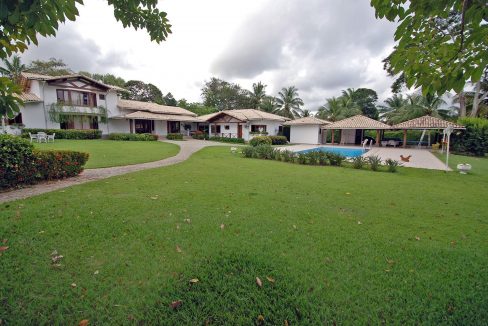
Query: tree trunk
(476, 101)
(462, 105)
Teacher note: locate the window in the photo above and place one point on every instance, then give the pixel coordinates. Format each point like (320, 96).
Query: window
(215, 129)
(68, 124)
(94, 123)
(76, 98)
(226, 127)
(258, 128)
(101, 96)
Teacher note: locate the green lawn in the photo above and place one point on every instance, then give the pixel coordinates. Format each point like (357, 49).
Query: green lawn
(106, 153)
(343, 246)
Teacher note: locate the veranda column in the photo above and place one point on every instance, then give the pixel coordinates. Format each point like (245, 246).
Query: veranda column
(378, 137)
(333, 132)
(404, 138)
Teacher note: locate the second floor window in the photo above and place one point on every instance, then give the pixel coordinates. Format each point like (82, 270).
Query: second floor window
(76, 98)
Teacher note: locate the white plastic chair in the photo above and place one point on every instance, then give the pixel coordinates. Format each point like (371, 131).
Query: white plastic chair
(41, 136)
(51, 137)
(32, 137)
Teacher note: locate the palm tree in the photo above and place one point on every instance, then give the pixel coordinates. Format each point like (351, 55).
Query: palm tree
(268, 104)
(306, 113)
(257, 95)
(289, 102)
(13, 69)
(393, 109)
(331, 110)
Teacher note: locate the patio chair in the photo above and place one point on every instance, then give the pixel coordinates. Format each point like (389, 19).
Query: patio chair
(32, 137)
(41, 136)
(51, 137)
(393, 143)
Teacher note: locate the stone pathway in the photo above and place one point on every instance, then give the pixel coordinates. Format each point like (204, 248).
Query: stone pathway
(187, 148)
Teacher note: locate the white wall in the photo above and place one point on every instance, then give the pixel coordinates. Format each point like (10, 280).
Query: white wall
(348, 136)
(306, 134)
(272, 128)
(118, 125)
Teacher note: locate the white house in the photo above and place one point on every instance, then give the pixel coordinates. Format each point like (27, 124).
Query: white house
(243, 123)
(306, 130)
(85, 103)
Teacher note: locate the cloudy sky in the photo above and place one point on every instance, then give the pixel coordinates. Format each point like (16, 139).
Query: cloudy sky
(320, 46)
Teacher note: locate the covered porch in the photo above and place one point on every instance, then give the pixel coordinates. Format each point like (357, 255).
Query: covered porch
(352, 130)
(161, 124)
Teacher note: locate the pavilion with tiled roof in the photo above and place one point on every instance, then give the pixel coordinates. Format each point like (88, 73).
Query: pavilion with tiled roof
(349, 128)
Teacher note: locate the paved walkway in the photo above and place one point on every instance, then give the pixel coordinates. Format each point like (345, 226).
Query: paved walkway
(187, 148)
(420, 158)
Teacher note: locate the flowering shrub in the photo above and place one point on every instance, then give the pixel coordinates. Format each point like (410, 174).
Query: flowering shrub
(133, 137)
(59, 164)
(21, 165)
(17, 162)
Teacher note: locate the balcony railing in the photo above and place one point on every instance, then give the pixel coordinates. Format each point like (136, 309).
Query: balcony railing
(77, 103)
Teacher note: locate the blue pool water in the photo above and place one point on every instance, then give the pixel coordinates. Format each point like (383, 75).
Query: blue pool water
(347, 152)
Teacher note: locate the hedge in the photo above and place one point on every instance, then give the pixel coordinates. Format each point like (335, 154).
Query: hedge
(59, 164)
(473, 140)
(174, 137)
(132, 137)
(260, 140)
(228, 140)
(278, 140)
(20, 164)
(65, 133)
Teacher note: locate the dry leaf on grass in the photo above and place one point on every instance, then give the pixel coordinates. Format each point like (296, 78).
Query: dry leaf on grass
(260, 320)
(417, 238)
(73, 285)
(222, 226)
(194, 280)
(178, 249)
(259, 282)
(84, 322)
(270, 279)
(3, 248)
(176, 304)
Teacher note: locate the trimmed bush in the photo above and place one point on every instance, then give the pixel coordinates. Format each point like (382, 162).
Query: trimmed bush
(392, 165)
(132, 137)
(473, 140)
(59, 164)
(65, 133)
(199, 135)
(358, 162)
(278, 140)
(17, 162)
(265, 152)
(174, 136)
(228, 140)
(260, 140)
(374, 162)
(335, 159)
(288, 156)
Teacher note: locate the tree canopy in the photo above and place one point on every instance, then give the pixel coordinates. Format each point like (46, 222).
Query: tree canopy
(51, 67)
(139, 91)
(223, 95)
(441, 45)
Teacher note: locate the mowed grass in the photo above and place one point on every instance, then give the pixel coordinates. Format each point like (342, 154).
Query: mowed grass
(107, 153)
(338, 246)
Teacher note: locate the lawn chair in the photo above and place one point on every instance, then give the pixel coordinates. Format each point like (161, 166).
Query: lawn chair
(51, 137)
(32, 137)
(41, 136)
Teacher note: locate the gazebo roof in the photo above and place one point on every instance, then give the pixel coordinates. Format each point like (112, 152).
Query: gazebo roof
(426, 122)
(307, 121)
(357, 122)
(245, 115)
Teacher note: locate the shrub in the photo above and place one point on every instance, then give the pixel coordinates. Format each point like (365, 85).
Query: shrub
(392, 165)
(174, 136)
(335, 159)
(17, 162)
(265, 152)
(358, 162)
(314, 157)
(228, 140)
(322, 157)
(260, 140)
(288, 156)
(199, 135)
(65, 133)
(302, 158)
(374, 162)
(277, 155)
(248, 151)
(59, 164)
(278, 140)
(473, 140)
(132, 137)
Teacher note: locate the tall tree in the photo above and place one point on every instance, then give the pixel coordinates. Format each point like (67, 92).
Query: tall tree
(140, 91)
(224, 95)
(289, 102)
(365, 99)
(108, 79)
(169, 100)
(269, 104)
(257, 95)
(427, 56)
(392, 110)
(306, 113)
(22, 21)
(51, 67)
(13, 69)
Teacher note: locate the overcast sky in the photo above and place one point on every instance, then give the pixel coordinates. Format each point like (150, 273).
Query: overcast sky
(320, 46)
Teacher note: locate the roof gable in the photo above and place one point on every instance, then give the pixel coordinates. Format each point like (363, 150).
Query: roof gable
(358, 122)
(426, 122)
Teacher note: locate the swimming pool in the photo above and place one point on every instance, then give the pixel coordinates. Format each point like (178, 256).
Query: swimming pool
(347, 152)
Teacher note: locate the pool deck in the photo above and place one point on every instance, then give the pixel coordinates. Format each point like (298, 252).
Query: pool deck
(420, 158)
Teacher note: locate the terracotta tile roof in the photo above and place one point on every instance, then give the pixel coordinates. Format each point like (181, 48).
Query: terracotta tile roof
(426, 122)
(153, 108)
(357, 122)
(33, 76)
(29, 97)
(246, 115)
(307, 121)
(158, 116)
